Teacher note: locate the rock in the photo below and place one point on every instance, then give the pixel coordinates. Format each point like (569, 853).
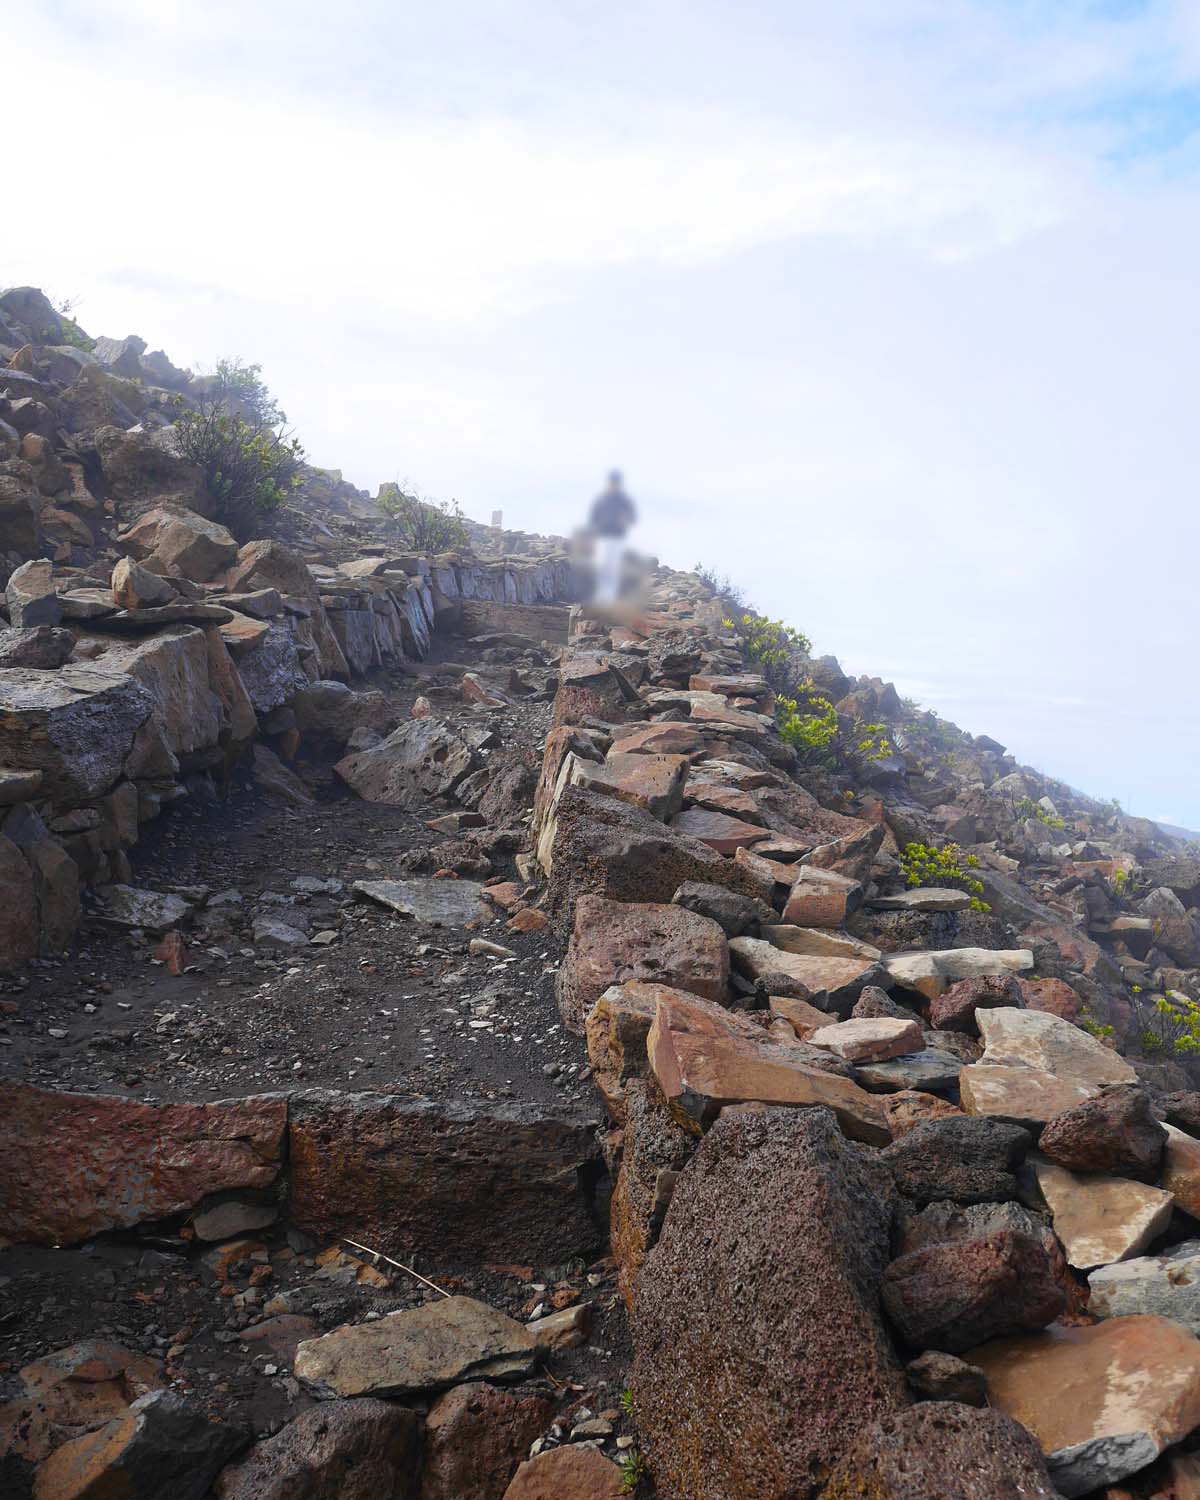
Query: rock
(31, 596)
(69, 1392)
(654, 782)
(941, 1450)
(1181, 1170)
(869, 1041)
(442, 903)
(830, 983)
(616, 1029)
(931, 973)
(802, 1017)
(567, 1329)
(228, 1218)
(567, 1473)
(163, 1445)
(822, 942)
(703, 1060)
(954, 1010)
(936, 1376)
(1102, 1401)
(1176, 930)
(733, 913)
(513, 1179)
(718, 830)
(173, 665)
(1101, 1219)
(613, 942)
(655, 1149)
(126, 906)
(420, 1349)
(103, 1162)
(422, 758)
(272, 565)
(143, 466)
(339, 1450)
(930, 1069)
(1053, 995)
(962, 1292)
(268, 663)
(1167, 1285)
(42, 646)
(1113, 1132)
(874, 1003)
(820, 898)
(910, 1107)
(1035, 1065)
(20, 512)
(179, 543)
(1183, 1111)
(19, 925)
(923, 898)
(135, 587)
(331, 712)
(766, 1304)
(969, 1161)
(475, 1437)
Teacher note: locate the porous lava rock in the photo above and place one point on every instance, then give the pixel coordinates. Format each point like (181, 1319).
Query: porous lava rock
(759, 1352)
(1114, 1132)
(967, 1160)
(475, 1437)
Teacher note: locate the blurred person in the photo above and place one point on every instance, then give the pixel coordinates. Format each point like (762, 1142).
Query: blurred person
(612, 515)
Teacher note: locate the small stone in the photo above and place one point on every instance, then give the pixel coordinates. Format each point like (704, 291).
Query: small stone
(937, 1376)
(869, 1041)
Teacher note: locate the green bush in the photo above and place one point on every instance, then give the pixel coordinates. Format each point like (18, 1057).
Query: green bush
(1169, 1025)
(1027, 808)
(926, 864)
(250, 465)
(775, 649)
(426, 526)
(242, 389)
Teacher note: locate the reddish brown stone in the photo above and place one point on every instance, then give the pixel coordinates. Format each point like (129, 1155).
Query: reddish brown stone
(654, 941)
(655, 1150)
(500, 1181)
(1053, 995)
(475, 1437)
(718, 830)
(955, 1295)
(905, 1110)
(73, 1165)
(567, 1473)
(1112, 1132)
(70, 1392)
(659, 739)
(529, 920)
(758, 1349)
(340, 1450)
(654, 782)
(954, 1010)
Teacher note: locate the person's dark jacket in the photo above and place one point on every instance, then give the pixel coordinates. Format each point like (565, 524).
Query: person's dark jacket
(613, 513)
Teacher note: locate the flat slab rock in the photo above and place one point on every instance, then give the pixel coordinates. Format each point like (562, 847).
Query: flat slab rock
(923, 898)
(873, 1040)
(74, 1165)
(1100, 1219)
(929, 1069)
(815, 977)
(420, 1349)
(126, 906)
(441, 903)
(1166, 1285)
(1102, 1401)
(932, 972)
(1035, 1065)
(567, 1473)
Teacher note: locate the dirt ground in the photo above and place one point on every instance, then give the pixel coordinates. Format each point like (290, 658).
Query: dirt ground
(388, 1004)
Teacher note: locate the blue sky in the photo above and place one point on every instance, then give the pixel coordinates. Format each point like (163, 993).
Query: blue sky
(887, 308)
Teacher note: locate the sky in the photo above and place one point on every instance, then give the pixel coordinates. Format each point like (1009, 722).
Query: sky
(888, 309)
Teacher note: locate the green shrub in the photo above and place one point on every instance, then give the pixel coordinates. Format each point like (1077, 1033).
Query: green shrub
(723, 587)
(1169, 1025)
(775, 648)
(1027, 808)
(809, 726)
(633, 1470)
(426, 526)
(926, 864)
(250, 467)
(242, 389)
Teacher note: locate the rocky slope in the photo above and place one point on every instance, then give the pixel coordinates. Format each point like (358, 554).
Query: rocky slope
(521, 1073)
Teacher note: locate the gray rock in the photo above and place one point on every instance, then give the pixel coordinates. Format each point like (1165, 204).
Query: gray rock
(274, 933)
(1167, 1284)
(423, 758)
(41, 646)
(969, 1161)
(126, 906)
(930, 1071)
(31, 596)
(923, 898)
(444, 903)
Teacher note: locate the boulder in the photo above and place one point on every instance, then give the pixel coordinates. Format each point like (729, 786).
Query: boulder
(869, 1041)
(653, 782)
(31, 596)
(272, 565)
(1181, 1170)
(613, 942)
(135, 587)
(923, 898)
(180, 543)
(1167, 1285)
(69, 1392)
(1176, 930)
(954, 1010)
(759, 1354)
(704, 1059)
(1101, 1219)
(1053, 995)
(905, 1110)
(20, 512)
(475, 1437)
(269, 664)
(164, 1444)
(718, 830)
(969, 1161)
(1114, 1132)
(418, 1350)
(339, 1450)
(1035, 1065)
(151, 911)
(654, 1150)
(100, 1162)
(441, 903)
(422, 758)
(1102, 1401)
(173, 666)
(930, 1069)
(931, 973)
(963, 1292)
(945, 1450)
(830, 983)
(734, 914)
(567, 1473)
(143, 466)
(820, 898)
(20, 930)
(40, 646)
(503, 1181)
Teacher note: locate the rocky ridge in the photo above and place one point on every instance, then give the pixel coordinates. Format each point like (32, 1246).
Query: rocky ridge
(898, 1192)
